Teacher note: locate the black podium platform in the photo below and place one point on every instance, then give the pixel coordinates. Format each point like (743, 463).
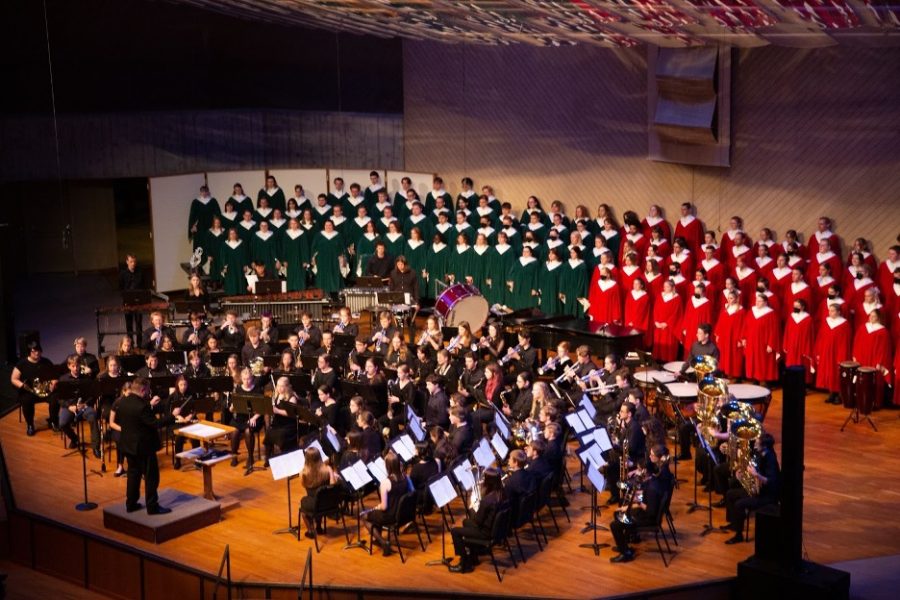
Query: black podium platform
(189, 513)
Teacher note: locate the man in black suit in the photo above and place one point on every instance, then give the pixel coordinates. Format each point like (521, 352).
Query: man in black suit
(345, 324)
(461, 435)
(520, 481)
(131, 278)
(152, 338)
(538, 464)
(521, 408)
(139, 440)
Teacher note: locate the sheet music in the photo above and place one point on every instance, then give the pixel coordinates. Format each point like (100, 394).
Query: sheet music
(409, 443)
(318, 446)
(287, 465)
(501, 425)
(403, 450)
(499, 445)
(483, 454)
(596, 479)
(415, 424)
(587, 405)
(442, 491)
(463, 474)
(202, 430)
(378, 469)
(251, 282)
(333, 438)
(601, 436)
(356, 474)
(591, 456)
(586, 419)
(574, 420)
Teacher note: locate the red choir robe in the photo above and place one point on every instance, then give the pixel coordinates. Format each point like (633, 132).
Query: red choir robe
(684, 287)
(728, 242)
(897, 371)
(691, 230)
(812, 248)
(686, 260)
(728, 330)
(735, 252)
(654, 284)
(696, 311)
(799, 341)
(794, 291)
(869, 259)
(762, 330)
(665, 340)
(640, 242)
(775, 302)
(747, 284)
(849, 276)
(606, 302)
(637, 314)
(712, 292)
(854, 294)
(648, 223)
(715, 272)
(763, 266)
(861, 314)
(833, 346)
(820, 287)
(891, 298)
(627, 275)
(772, 245)
(779, 281)
(873, 347)
(662, 246)
(885, 275)
(829, 258)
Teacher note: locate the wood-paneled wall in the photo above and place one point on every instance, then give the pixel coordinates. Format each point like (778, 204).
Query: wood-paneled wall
(170, 143)
(814, 132)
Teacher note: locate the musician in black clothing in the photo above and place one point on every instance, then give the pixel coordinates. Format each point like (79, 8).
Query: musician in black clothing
(471, 378)
(324, 373)
(524, 355)
(381, 263)
(656, 489)
(461, 434)
(254, 348)
(436, 410)
(181, 412)
(400, 394)
(521, 481)
(345, 323)
(130, 279)
(703, 345)
(445, 367)
(521, 407)
(152, 368)
(310, 336)
(328, 408)
(555, 452)
(767, 474)
(282, 432)
(152, 338)
(556, 366)
(268, 330)
(356, 359)
(247, 425)
(631, 430)
(372, 442)
(381, 336)
(34, 367)
(195, 366)
(139, 441)
(538, 463)
(197, 334)
(231, 333)
(480, 526)
(75, 408)
(404, 279)
(90, 366)
(426, 467)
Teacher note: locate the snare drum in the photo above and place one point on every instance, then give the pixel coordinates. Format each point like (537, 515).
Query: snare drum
(462, 302)
(865, 390)
(683, 392)
(756, 395)
(848, 383)
(675, 367)
(651, 378)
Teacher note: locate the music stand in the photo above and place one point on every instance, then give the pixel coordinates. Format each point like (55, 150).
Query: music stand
(369, 282)
(250, 404)
(136, 297)
(175, 357)
(597, 483)
(390, 298)
(713, 462)
(266, 287)
(288, 466)
(343, 342)
(309, 362)
(442, 491)
(371, 395)
(414, 424)
(131, 363)
(358, 476)
(81, 389)
(189, 306)
(218, 359)
(462, 469)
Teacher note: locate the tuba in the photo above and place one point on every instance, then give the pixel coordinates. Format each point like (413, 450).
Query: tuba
(709, 390)
(257, 366)
(704, 365)
(744, 431)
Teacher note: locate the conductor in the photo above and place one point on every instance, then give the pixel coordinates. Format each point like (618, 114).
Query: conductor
(139, 440)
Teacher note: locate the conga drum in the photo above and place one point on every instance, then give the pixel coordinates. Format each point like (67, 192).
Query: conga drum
(848, 383)
(865, 390)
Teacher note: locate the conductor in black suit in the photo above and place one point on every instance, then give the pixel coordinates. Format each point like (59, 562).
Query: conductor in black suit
(139, 440)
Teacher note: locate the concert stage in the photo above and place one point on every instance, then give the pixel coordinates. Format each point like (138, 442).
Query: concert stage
(850, 513)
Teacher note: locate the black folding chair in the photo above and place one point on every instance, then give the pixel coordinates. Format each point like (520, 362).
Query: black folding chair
(499, 537)
(656, 529)
(404, 516)
(525, 516)
(328, 502)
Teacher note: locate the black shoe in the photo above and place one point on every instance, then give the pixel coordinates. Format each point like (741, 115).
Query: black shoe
(177, 464)
(728, 527)
(320, 530)
(386, 550)
(684, 457)
(119, 474)
(73, 444)
(134, 508)
(266, 464)
(463, 566)
(248, 469)
(612, 500)
(623, 558)
(309, 534)
(737, 539)
(159, 510)
(96, 452)
(29, 430)
(234, 461)
(719, 504)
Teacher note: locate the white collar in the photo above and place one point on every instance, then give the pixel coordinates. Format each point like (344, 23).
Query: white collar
(203, 201)
(294, 214)
(262, 235)
(230, 215)
(535, 226)
(824, 235)
(761, 312)
(382, 205)
(738, 250)
(436, 193)
(668, 296)
(609, 233)
(733, 232)
(698, 302)
(322, 209)
(687, 220)
(747, 271)
(356, 200)
(574, 262)
(833, 323)
(417, 218)
(375, 187)
(732, 308)
(824, 281)
(651, 276)
(678, 279)
(339, 194)
(633, 237)
(781, 272)
(606, 285)
(797, 317)
(443, 227)
(711, 263)
(502, 248)
(438, 247)
(484, 210)
(551, 243)
(763, 260)
(552, 265)
(652, 221)
(387, 220)
(680, 257)
(461, 226)
(216, 232)
(861, 283)
(264, 211)
(462, 248)
(630, 269)
(277, 222)
(823, 256)
(363, 222)
(415, 243)
(480, 250)
(248, 224)
(638, 294)
(798, 286)
(467, 195)
(526, 260)
(271, 191)
(393, 236)
(233, 243)
(370, 236)
(488, 231)
(329, 235)
(338, 220)
(239, 198)
(294, 233)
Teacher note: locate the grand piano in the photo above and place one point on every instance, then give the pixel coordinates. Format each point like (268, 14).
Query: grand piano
(547, 332)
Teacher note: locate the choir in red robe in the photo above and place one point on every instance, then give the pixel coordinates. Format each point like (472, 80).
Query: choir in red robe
(762, 341)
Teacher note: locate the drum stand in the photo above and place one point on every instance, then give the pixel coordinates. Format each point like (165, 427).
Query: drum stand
(855, 417)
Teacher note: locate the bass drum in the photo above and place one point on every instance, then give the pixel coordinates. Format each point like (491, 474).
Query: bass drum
(462, 302)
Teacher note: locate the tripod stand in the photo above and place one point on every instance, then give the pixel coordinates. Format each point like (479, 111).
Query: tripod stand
(597, 482)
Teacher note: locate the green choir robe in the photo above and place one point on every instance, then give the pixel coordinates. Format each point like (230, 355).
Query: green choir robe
(295, 252)
(460, 264)
(430, 196)
(479, 264)
(613, 241)
(335, 198)
(561, 250)
(490, 214)
(422, 222)
(246, 230)
(230, 220)
(447, 232)
(514, 239)
(471, 200)
(438, 267)
(201, 216)
(263, 214)
(466, 229)
(212, 251)
(416, 253)
(500, 262)
(275, 196)
(279, 227)
(539, 231)
(573, 284)
(523, 275)
(548, 285)
(370, 195)
(327, 250)
(354, 230)
(489, 232)
(342, 225)
(350, 204)
(382, 223)
(394, 243)
(378, 210)
(242, 203)
(264, 250)
(321, 214)
(234, 258)
(364, 250)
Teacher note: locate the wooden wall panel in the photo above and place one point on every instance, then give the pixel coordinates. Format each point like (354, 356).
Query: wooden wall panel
(20, 542)
(164, 583)
(148, 144)
(59, 552)
(113, 571)
(814, 132)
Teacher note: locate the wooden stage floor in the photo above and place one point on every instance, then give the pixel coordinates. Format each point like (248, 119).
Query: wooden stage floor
(852, 494)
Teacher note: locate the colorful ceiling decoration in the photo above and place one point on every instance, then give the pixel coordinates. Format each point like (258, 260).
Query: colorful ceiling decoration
(613, 23)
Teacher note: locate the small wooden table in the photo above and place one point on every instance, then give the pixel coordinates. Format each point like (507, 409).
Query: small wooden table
(207, 432)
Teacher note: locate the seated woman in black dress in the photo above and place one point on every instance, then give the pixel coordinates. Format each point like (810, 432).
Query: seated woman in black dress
(480, 525)
(424, 469)
(315, 475)
(395, 486)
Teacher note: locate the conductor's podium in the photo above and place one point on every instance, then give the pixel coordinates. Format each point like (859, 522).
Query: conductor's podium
(189, 513)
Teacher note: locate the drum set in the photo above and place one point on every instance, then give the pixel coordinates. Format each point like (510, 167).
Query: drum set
(857, 392)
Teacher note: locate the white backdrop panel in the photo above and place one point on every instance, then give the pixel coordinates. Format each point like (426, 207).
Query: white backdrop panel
(221, 184)
(314, 181)
(421, 182)
(170, 205)
(359, 176)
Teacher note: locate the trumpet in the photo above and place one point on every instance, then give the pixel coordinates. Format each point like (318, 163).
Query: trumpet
(601, 389)
(514, 350)
(595, 373)
(570, 370)
(453, 344)
(423, 339)
(550, 365)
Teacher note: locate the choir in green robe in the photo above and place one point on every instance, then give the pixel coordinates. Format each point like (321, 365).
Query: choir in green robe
(235, 257)
(327, 248)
